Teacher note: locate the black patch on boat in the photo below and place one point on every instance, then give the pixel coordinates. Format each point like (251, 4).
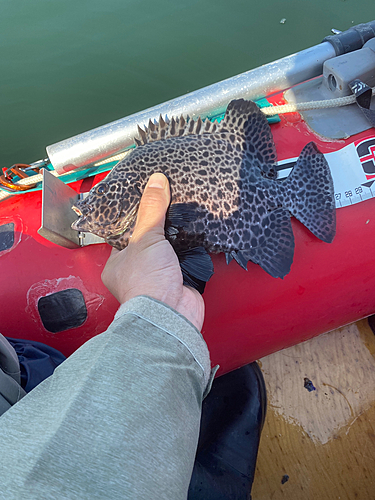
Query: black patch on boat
(6, 236)
(63, 310)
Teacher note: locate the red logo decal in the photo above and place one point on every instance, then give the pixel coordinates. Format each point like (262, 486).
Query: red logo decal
(366, 154)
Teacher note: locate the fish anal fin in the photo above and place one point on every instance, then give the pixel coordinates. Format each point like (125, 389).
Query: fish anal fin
(240, 258)
(275, 250)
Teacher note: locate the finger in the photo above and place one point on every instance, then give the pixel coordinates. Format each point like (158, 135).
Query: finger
(153, 206)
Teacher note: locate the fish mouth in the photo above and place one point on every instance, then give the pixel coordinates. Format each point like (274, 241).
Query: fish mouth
(77, 210)
(78, 222)
(106, 230)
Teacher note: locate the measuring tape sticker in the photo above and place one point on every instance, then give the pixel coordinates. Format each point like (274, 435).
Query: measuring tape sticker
(352, 169)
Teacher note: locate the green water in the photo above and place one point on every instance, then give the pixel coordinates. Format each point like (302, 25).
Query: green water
(69, 66)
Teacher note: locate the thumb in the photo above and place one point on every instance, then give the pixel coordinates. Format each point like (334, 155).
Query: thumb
(153, 206)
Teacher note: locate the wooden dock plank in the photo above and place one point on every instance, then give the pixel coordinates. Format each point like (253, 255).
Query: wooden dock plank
(320, 444)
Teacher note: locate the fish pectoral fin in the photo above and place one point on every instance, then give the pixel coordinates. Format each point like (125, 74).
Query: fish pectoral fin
(275, 250)
(179, 215)
(196, 267)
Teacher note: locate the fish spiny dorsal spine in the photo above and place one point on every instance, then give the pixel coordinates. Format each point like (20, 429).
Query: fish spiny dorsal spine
(176, 127)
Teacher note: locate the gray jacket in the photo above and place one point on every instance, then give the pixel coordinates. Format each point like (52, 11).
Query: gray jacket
(118, 420)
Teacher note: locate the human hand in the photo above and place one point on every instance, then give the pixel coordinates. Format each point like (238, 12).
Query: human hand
(149, 265)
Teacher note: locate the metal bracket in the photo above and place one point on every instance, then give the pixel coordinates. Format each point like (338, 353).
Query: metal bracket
(57, 214)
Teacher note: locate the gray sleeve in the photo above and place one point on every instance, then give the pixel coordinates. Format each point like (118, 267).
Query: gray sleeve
(119, 419)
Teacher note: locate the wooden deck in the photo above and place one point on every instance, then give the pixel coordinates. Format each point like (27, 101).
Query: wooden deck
(320, 444)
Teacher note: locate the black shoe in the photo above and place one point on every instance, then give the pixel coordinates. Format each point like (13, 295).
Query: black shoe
(233, 415)
(371, 322)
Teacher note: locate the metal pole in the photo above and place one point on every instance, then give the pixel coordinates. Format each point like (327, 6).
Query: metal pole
(102, 142)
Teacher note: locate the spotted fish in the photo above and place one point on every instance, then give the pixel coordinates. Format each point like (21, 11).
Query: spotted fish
(225, 193)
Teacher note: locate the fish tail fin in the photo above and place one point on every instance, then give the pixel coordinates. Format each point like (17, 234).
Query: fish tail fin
(309, 193)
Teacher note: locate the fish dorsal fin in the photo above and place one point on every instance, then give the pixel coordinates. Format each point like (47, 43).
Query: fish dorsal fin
(243, 122)
(246, 121)
(176, 127)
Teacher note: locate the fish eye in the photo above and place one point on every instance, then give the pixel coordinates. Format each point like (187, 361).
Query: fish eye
(102, 188)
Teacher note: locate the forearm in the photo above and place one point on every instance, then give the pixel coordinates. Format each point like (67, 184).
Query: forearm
(118, 419)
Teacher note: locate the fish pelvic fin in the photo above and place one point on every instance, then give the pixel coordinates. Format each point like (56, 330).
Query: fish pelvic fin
(196, 264)
(196, 267)
(309, 193)
(246, 125)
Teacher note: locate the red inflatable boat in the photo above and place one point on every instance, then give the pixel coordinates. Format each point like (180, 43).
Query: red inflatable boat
(53, 293)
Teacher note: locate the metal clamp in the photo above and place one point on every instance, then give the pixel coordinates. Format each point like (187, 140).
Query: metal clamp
(17, 170)
(57, 215)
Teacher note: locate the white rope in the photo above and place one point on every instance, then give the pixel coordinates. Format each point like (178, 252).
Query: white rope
(268, 111)
(4, 195)
(303, 106)
(25, 182)
(118, 157)
(32, 179)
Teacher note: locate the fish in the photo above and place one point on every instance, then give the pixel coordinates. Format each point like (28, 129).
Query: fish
(225, 195)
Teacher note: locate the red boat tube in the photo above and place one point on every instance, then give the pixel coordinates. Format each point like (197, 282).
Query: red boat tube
(249, 314)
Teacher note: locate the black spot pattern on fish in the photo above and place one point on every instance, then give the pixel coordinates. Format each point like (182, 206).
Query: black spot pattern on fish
(226, 173)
